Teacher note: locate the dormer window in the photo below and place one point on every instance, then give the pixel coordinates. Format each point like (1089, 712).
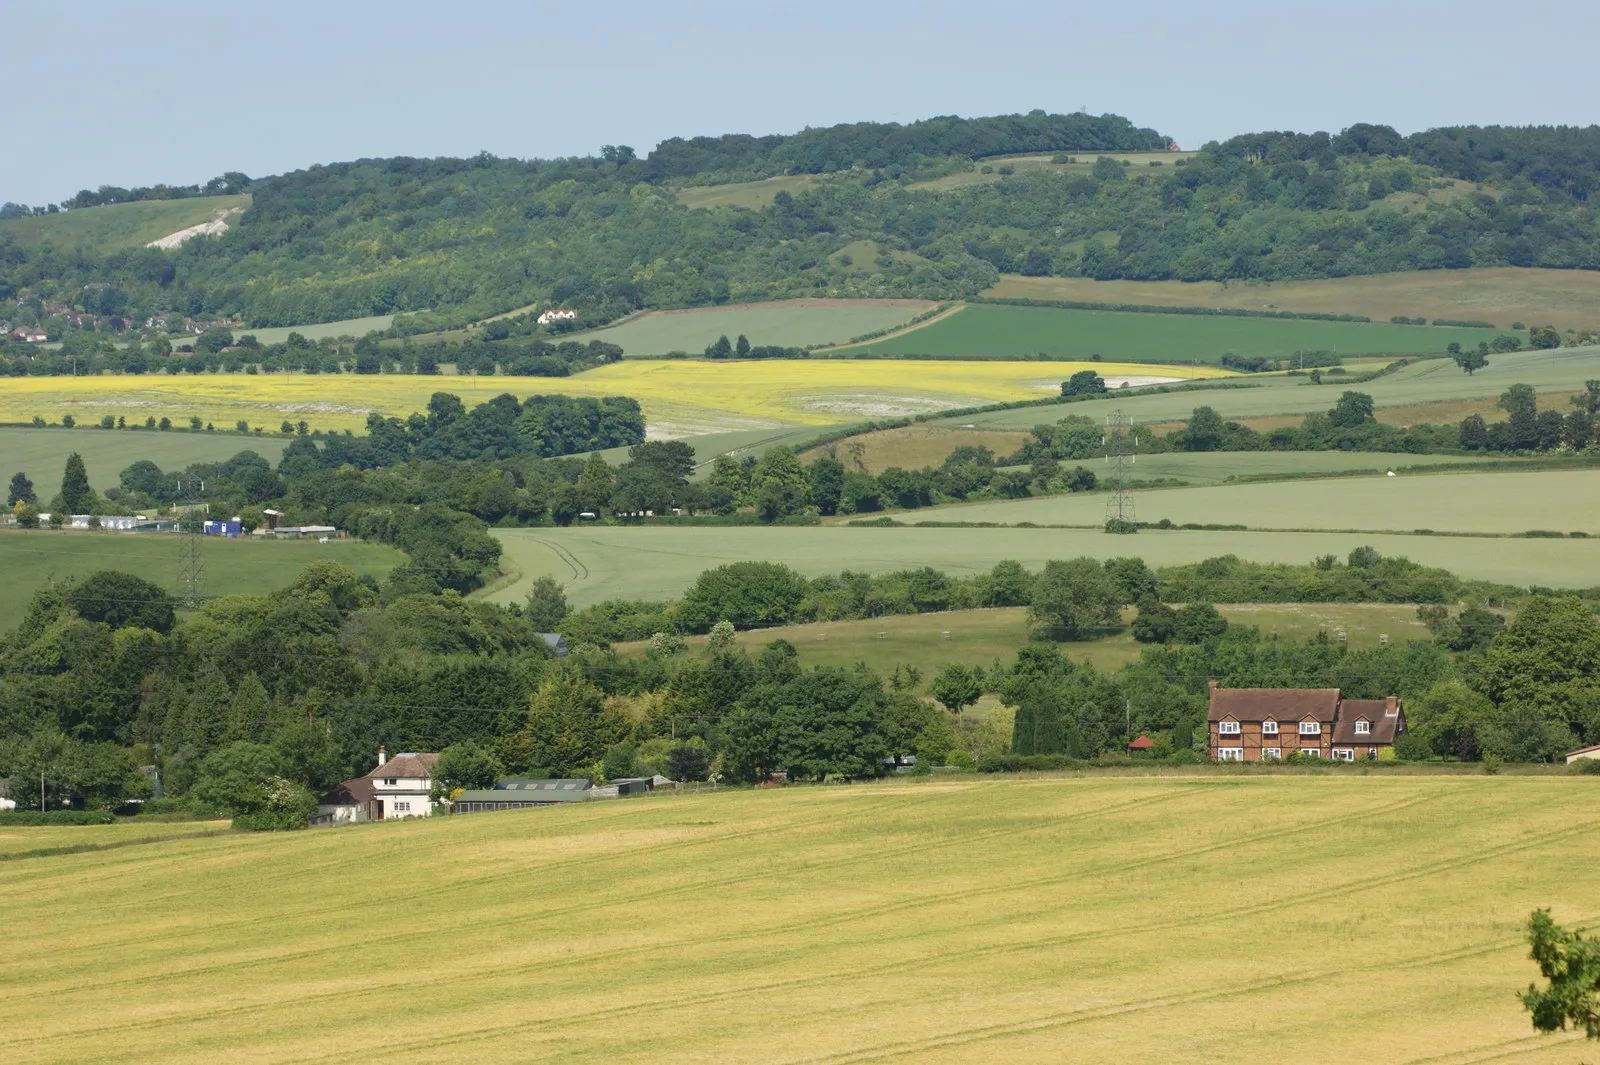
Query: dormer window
(1228, 728)
(1269, 727)
(1310, 728)
(1363, 727)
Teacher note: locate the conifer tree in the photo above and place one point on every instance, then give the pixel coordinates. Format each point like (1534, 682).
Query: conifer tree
(741, 347)
(210, 704)
(76, 494)
(250, 713)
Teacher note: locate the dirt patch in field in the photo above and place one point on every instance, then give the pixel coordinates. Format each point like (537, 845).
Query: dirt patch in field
(914, 447)
(881, 405)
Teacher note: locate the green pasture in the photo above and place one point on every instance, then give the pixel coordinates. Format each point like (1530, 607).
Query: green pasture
(1561, 370)
(1214, 466)
(1471, 502)
(929, 642)
(350, 327)
(786, 323)
(751, 195)
(1099, 919)
(119, 225)
(992, 331)
(614, 562)
(32, 559)
(1082, 164)
(42, 453)
(738, 444)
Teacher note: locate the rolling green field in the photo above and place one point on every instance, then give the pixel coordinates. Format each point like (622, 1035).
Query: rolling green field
(1566, 299)
(119, 225)
(788, 323)
(1202, 467)
(351, 327)
(1193, 916)
(42, 453)
(660, 562)
(31, 559)
(1560, 500)
(1004, 332)
(738, 444)
(1429, 381)
(929, 642)
(751, 195)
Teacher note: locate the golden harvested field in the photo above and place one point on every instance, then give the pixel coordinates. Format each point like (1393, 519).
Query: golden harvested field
(1567, 299)
(681, 397)
(1196, 916)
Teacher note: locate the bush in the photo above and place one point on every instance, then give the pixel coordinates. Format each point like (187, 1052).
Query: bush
(688, 762)
(1585, 767)
(1026, 763)
(17, 818)
(960, 759)
(288, 806)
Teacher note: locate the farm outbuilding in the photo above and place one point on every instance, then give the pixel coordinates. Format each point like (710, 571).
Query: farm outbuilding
(521, 794)
(1583, 753)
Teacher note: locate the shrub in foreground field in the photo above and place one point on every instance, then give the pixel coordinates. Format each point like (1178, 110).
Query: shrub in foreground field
(17, 818)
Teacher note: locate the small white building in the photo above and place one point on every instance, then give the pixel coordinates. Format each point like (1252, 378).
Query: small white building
(1584, 752)
(557, 316)
(398, 788)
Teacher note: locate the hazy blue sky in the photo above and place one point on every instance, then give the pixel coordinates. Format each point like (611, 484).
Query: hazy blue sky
(138, 93)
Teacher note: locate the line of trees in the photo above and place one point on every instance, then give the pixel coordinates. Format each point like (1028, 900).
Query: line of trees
(254, 703)
(587, 234)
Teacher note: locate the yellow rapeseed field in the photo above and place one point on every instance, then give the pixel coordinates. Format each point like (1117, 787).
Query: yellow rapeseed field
(680, 397)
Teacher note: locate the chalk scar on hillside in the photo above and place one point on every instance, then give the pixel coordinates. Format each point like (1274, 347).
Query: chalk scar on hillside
(217, 226)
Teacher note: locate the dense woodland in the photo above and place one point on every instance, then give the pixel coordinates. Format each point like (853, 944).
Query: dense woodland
(465, 238)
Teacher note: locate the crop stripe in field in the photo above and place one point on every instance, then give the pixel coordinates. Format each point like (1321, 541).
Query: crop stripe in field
(580, 572)
(975, 953)
(763, 830)
(592, 958)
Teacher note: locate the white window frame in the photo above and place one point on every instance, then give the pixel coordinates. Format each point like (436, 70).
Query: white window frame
(391, 782)
(402, 806)
(1344, 754)
(1363, 727)
(1310, 728)
(1227, 728)
(1230, 754)
(1269, 727)
(1270, 753)
(1310, 752)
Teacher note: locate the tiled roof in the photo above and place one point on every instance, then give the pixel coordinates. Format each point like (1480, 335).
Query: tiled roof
(406, 765)
(1279, 704)
(1376, 712)
(350, 793)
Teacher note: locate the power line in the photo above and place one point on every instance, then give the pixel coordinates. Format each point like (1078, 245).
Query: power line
(1120, 445)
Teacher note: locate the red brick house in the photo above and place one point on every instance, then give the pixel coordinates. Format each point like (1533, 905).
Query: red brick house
(1262, 724)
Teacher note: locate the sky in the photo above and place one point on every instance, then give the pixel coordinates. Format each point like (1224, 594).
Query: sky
(177, 92)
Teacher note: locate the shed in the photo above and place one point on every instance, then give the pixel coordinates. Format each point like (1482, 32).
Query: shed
(1584, 752)
(1143, 743)
(556, 642)
(521, 794)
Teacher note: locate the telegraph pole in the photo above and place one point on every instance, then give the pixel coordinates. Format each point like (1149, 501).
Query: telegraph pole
(1120, 446)
(191, 551)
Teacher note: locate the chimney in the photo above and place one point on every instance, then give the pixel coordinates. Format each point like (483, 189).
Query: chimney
(1211, 685)
(382, 755)
(1392, 706)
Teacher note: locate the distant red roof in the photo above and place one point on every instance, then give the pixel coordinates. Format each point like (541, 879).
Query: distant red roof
(1143, 743)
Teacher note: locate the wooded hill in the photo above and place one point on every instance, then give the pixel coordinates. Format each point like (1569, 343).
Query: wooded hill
(466, 238)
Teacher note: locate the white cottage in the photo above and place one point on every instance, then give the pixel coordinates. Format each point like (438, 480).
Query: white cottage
(399, 787)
